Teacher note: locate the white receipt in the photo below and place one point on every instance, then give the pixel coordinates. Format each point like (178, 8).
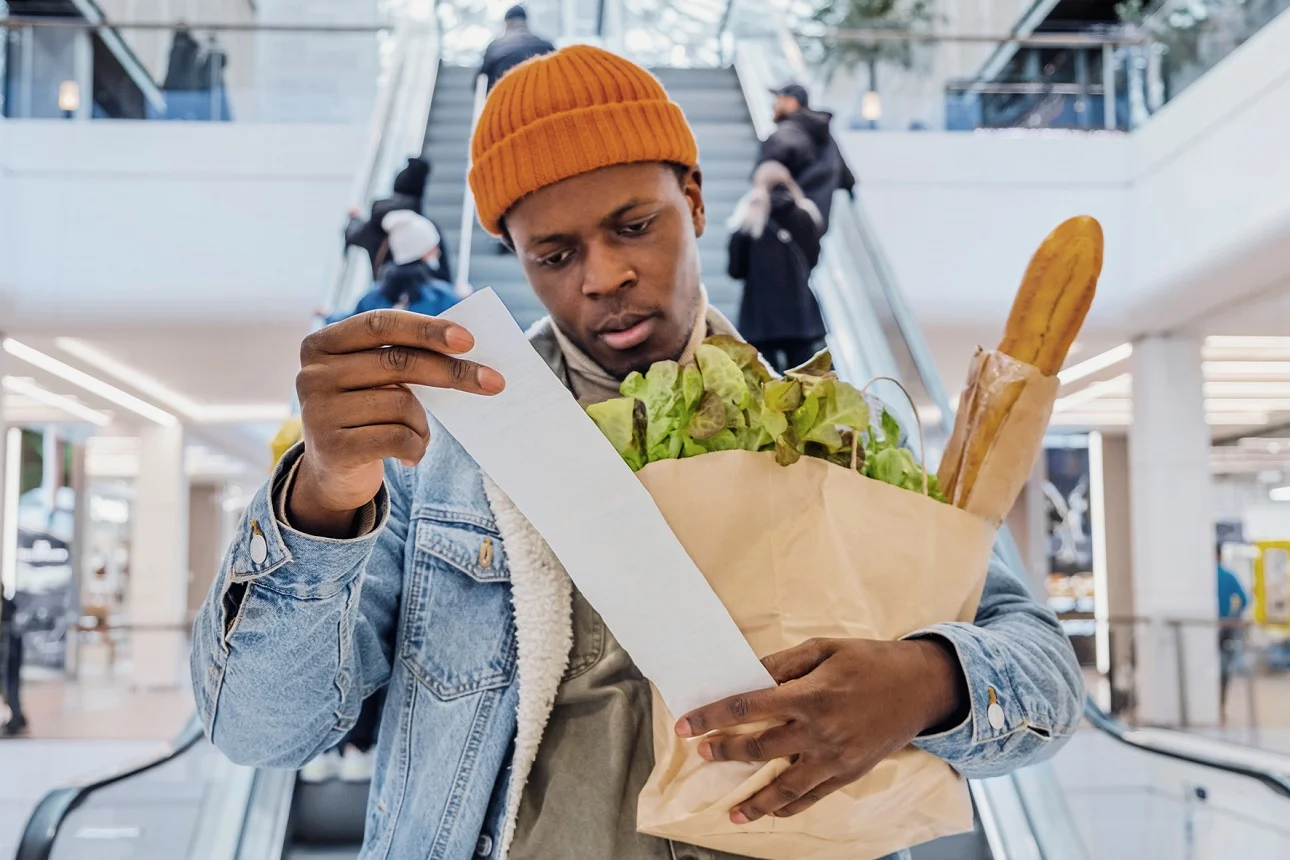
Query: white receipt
(539, 446)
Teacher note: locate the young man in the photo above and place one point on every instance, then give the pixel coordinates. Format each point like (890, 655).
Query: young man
(516, 44)
(378, 556)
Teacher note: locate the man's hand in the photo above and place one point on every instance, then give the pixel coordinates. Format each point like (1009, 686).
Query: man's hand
(843, 705)
(356, 407)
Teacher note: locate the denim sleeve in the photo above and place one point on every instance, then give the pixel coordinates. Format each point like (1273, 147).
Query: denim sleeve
(1025, 685)
(297, 630)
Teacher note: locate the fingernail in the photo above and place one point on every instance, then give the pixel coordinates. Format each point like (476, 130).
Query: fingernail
(683, 728)
(458, 339)
(705, 751)
(738, 817)
(490, 380)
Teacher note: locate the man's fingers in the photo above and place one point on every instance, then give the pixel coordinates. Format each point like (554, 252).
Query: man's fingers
(797, 784)
(776, 742)
(393, 405)
(401, 365)
(797, 661)
(812, 797)
(734, 711)
(376, 329)
(362, 445)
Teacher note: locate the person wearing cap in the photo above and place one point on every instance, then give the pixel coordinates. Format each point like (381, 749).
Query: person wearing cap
(380, 557)
(802, 143)
(410, 282)
(407, 194)
(516, 44)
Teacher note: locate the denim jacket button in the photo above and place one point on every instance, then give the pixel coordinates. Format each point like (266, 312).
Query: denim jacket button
(259, 547)
(994, 714)
(484, 846)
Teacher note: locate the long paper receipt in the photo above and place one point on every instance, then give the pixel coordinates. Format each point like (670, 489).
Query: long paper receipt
(542, 450)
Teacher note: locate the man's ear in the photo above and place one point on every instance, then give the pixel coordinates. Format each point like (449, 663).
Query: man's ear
(693, 189)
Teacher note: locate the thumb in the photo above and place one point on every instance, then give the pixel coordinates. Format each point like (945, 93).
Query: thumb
(793, 663)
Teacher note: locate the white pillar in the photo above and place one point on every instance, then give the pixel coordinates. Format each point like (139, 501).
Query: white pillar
(1172, 535)
(158, 586)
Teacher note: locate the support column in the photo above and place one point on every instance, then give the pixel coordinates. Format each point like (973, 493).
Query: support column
(8, 558)
(158, 586)
(1172, 530)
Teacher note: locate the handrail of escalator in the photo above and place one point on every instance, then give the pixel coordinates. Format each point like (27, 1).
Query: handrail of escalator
(462, 284)
(42, 828)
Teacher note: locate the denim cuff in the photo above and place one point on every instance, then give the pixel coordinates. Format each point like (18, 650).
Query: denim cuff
(269, 551)
(993, 714)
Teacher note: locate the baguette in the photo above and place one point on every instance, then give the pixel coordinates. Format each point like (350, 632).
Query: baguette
(1050, 307)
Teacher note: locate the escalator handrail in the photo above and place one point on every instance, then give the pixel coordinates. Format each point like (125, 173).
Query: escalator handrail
(42, 828)
(464, 244)
(1197, 749)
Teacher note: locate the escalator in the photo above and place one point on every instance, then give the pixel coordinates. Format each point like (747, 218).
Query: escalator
(193, 803)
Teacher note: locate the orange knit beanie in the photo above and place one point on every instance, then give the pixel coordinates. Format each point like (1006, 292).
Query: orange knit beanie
(568, 113)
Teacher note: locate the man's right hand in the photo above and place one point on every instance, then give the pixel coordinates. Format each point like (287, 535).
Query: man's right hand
(357, 409)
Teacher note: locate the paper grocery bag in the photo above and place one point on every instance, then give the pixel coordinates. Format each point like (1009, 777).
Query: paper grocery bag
(812, 549)
(1018, 398)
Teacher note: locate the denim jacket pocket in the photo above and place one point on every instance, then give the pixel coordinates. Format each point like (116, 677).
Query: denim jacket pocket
(459, 632)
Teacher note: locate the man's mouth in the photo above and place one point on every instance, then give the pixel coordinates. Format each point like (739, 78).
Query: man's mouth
(628, 332)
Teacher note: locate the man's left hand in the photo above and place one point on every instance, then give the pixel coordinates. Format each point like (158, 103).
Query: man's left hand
(843, 705)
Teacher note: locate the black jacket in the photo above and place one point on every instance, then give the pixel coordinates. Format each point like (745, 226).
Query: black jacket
(509, 50)
(803, 144)
(776, 269)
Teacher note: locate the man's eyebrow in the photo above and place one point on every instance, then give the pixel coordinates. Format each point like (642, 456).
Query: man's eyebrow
(612, 217)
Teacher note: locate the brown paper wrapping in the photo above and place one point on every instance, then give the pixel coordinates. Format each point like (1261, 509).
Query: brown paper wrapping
(998, 386)
(813, 550)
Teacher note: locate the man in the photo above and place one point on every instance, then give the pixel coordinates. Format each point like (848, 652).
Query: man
(802, 143)
(1232, 601)
(515, 725)
(517, 44)
(369, 234)
(11, 668)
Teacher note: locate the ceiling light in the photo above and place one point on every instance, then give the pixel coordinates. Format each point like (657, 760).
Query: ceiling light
(1247, 370)
(1279, 494)
(1247, 405)
(1237, 419)
(1092, 419)
(1097, 363)
(92, 384)
(30, 389)
(1272, 389)
(1121, 384)
(217, 414)
(1220, 346)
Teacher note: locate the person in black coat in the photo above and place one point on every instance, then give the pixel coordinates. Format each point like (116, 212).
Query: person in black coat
(368, 234)
(774, 245)
(517, 44)
(11, 651)
(802, 143)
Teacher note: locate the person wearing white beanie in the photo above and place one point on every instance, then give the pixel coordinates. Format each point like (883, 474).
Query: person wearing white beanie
(411, 237)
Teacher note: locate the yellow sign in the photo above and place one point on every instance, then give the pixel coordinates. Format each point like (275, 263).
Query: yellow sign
(1272, 581)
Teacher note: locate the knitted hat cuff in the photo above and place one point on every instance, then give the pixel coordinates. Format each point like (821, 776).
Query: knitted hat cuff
(570, 143)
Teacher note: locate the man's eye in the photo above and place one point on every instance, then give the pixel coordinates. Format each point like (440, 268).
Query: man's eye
(637, 228)
(556, 260)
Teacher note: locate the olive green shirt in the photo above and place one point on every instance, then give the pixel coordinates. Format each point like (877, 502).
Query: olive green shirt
(598, 750)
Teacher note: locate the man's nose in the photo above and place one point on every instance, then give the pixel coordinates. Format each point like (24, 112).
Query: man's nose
(607, 270)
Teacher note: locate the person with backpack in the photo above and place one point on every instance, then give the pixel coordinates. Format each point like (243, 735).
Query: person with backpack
(774, 245)
(803, 143)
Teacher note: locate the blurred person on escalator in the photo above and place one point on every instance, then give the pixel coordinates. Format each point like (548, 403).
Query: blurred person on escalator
(1232, 601)
(370, 233)
(774, 245)
(11, 648)
(410, 281)
(802, 143)
(516, 44)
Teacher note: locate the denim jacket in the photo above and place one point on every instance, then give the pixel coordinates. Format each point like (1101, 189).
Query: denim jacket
(456, 606)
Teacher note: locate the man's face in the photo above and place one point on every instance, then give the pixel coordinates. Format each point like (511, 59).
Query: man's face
(786, 106)
(614, 256)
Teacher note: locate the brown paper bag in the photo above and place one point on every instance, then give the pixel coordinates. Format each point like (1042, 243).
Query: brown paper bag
(998, 386)
(813, 549)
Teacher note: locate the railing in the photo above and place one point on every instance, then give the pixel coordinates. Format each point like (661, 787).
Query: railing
(462, 285)
(37, 842)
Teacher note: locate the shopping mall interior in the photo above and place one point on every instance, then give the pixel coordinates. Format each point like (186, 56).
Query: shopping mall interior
(175, 183)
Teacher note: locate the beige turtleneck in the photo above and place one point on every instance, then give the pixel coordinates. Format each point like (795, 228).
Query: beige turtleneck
(592, 383)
